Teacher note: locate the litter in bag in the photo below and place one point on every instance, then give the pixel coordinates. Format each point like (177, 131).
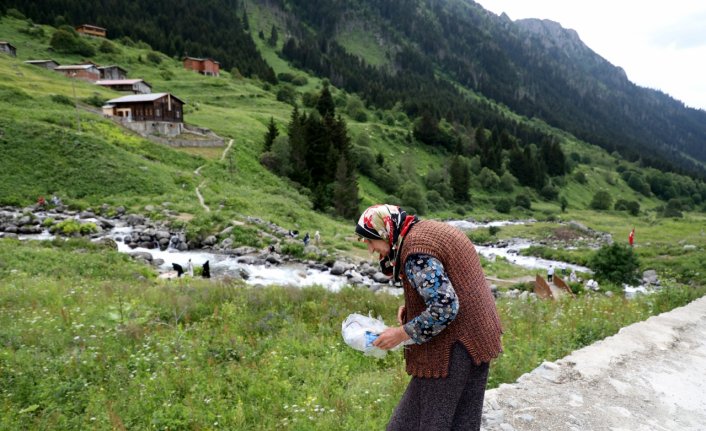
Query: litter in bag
(360, 331)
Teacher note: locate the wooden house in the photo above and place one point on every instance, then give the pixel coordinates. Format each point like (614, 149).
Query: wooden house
(87, 72)
(147, 107)
(136, 86)
(204, 66)
(91, 30)
(8, 48)
(48, 64)
(112, 72)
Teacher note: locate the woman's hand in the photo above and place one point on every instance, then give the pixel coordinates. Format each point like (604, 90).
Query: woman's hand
(401, 315)
(390, 338)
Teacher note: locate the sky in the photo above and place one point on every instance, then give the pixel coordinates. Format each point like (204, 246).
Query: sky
(660, 45)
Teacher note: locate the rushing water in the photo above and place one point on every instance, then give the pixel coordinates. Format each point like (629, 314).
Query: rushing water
(299, 274)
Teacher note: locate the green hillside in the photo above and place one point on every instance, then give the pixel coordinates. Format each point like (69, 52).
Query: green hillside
(91, 339)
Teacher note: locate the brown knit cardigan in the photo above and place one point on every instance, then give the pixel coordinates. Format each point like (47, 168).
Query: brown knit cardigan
(477, 325)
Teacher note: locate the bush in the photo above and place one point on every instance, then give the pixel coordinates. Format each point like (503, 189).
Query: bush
(633, 207)
(300, 80)
(285, 76)
(615, 263)
(153, 57)
(108, 47)
(580, 177)
(14, 13)
(602, 200)
(95, 100)
(503, 205)
(523, 201)
(61, 99)
(287, 94)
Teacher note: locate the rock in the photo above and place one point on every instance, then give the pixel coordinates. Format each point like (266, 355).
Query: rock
(226, 231)
(379, 277)
(108, 242)
(227, 243)
(273, 259)
(338, 268)
(158, 262)
(135, 220)
(689, 247)
(87, 214)
(141, 255)
(240, 251)
(650, 277)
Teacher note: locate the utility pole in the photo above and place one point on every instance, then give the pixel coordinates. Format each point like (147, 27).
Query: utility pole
(78, 116)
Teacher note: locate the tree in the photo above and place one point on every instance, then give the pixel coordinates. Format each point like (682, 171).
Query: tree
(602, 200)
(325, 104)
(460, 176)
(616, 263)
(272, 41)
(345, 191)
(270, 135)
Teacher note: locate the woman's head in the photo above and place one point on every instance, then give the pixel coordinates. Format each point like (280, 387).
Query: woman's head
(383, 227)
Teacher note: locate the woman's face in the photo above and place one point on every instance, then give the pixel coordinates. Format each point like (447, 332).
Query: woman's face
(378, 245)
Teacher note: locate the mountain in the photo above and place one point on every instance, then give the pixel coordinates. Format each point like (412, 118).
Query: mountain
(534, 67)
(427, 55)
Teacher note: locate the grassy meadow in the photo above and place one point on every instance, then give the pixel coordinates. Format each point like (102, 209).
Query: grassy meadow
(90, 339)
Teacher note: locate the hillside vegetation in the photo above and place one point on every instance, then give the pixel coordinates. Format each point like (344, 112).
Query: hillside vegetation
(90, 339)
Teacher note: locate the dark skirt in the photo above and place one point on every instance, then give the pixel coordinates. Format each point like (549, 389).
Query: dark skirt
(451, 403)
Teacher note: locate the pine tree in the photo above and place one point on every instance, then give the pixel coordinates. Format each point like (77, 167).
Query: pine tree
(325, 104)
(270, 135)
(272, 41)
(460, 176)
(345, 191)
(299, 148)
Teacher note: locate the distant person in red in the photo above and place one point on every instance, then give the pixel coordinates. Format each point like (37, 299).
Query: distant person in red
(631, 237)
(41, 202)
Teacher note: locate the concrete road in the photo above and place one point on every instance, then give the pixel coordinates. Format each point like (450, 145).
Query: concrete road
(649, 376)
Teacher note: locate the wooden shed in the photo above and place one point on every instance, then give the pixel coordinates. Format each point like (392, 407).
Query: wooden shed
(49, 64)
(91, 30)
(112, 72)
(137, 86)
(204, 66)
(88, 72)
(8, 48)
(147, 107)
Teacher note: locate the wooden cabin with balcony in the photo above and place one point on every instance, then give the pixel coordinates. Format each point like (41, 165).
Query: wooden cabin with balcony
(162, 107)
(91, 30)
(204, 66)
(135, 86)
(87, 72)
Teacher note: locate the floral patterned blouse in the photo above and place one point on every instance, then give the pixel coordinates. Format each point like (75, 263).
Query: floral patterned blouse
(426, 274)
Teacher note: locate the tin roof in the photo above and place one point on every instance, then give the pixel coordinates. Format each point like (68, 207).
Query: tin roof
(120, 82)
(141, 98)
(75, 66)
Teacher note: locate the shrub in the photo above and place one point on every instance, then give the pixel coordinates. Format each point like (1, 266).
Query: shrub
(616, 263)
(602, 200)
(95, 100)
(523, 201)
(580, 177)
(300, 80)
(633, 207)
(14, 13)
(153, 57)
(287, 94)
(108, 47)
(61, 99)
(503, 205)
(285, 76)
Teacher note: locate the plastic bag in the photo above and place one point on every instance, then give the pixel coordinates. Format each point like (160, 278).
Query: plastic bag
(360, 331)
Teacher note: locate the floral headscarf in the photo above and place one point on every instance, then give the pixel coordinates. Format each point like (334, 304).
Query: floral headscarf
(389, 223)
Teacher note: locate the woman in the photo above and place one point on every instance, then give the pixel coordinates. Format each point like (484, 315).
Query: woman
(449, 313)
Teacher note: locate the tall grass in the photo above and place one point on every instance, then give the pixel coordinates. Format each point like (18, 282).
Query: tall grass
(80, 349)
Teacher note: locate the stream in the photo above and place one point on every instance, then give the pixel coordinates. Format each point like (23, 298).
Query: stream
(294, 273)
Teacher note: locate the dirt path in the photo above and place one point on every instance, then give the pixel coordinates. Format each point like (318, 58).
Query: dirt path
(201, 184)
(649, 376)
